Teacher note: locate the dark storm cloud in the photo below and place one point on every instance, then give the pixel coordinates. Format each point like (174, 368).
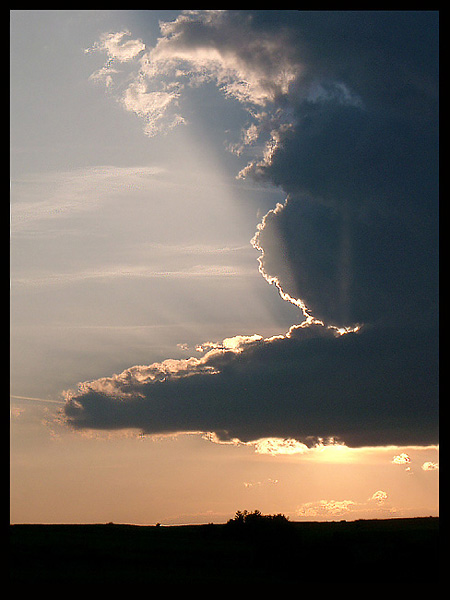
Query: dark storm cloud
(357, 240)
(348, 112)
(363, 388)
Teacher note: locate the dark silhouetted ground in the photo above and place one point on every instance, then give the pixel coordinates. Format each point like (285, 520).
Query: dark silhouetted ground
(372, 551)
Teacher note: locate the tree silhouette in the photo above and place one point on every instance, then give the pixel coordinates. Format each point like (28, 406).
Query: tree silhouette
(256, 519)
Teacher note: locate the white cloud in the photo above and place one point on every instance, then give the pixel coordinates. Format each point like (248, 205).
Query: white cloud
(346, 508)
(117, 51)
(276, 446)
(279, 446)
(104, 74)
(380, 497)
(152, 106)
(401, 459)
(116, 48)
(269, 481)
(326, 508)
(430, 466)
(248, 65)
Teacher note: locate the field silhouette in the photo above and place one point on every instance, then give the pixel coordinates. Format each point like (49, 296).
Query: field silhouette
(249, 549)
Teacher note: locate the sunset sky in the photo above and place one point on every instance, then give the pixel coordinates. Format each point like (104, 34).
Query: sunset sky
(223, 265)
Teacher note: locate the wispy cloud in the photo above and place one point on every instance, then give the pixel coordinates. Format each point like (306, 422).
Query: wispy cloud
(56, 195)
(34, 399)
(257, 484)
(133, 271)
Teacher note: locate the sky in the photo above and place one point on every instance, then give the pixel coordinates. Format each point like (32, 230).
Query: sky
(223, 265)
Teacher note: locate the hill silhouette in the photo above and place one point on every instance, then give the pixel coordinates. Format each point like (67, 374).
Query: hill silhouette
(250, 549)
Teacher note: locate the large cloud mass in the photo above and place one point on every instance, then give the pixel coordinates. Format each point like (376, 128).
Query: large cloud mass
(343, 116)
(364, 389)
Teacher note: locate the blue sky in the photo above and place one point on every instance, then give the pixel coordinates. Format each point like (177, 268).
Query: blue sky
(224, 252)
